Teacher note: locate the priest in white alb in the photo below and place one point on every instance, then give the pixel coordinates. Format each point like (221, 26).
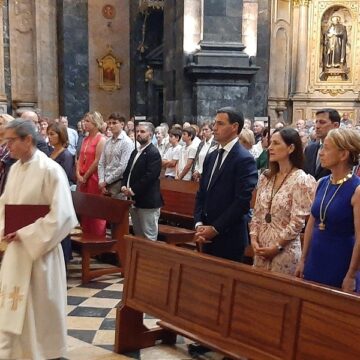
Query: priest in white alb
(32, 275)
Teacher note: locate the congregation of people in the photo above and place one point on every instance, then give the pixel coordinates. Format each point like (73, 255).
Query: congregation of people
(305, 221)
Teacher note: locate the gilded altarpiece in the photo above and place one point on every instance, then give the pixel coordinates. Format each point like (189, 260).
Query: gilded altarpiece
(349, 14)
(317, 44)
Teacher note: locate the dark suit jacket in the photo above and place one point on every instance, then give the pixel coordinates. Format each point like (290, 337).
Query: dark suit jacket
(310, 162)
(42, 145)
(144, 179)
(225, 205)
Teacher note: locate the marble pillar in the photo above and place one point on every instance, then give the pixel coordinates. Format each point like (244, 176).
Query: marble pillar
(33, 56)
(46, 58)
(222, 72)
(73, 59)
(302, 48)
(3, 97)
(23, 53)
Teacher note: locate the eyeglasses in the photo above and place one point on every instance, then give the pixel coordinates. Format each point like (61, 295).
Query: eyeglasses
(11, 140)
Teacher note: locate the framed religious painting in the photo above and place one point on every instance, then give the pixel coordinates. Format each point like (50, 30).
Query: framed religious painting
(109, 72)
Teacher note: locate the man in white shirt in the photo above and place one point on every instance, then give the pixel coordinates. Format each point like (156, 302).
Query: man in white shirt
(72, 135)
(207, 145)
(114, 157)
(187, 155)
(172, 155)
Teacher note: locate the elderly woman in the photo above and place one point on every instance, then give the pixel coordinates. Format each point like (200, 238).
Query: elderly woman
(247, 139)
(5, 159)
(331, 253)
(283, 201)
(87, 167)
(162, 143)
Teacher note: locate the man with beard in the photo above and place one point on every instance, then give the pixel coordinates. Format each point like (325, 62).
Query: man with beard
(142, 185)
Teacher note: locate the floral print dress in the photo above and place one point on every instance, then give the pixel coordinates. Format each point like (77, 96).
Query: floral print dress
(290, 207)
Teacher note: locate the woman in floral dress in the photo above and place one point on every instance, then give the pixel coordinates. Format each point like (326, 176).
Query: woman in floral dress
(283, 202)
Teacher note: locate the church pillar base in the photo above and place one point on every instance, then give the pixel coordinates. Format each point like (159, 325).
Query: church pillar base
(222, 75)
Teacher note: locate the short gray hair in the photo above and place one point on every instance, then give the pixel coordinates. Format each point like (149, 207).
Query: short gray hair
(23, 128)
(150, 126)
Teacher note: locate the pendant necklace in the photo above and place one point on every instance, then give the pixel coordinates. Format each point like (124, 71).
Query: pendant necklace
(268, 217)
(322, 214)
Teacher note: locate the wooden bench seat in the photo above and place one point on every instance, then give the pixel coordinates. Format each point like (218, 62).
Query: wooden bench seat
(232, 308)
(176, 217)
(113, 211)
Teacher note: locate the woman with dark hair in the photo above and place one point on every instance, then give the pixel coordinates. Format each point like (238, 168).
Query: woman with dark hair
(283, 201)
(331, 253)
(58, 139)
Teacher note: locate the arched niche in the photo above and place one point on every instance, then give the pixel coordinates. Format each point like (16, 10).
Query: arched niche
(335, 44)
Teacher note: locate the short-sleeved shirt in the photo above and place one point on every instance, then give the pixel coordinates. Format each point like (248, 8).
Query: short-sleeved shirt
(172, 153)
(187, 152)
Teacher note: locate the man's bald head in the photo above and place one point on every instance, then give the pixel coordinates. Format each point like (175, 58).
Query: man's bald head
(30, 116)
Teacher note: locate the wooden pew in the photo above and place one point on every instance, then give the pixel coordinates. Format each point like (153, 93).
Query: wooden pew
(113, 211)
(232, 308)
(179, 203)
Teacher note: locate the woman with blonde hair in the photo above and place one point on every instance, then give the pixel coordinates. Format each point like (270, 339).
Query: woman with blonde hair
(331, 253)
(247, 138)
(87, 167)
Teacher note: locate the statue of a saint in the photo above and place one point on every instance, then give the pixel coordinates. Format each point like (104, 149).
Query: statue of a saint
(335, 39)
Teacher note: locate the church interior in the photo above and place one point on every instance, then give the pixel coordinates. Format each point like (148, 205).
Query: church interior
(172, 61)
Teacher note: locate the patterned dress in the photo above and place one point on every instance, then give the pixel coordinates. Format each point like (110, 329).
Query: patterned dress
(290, 207)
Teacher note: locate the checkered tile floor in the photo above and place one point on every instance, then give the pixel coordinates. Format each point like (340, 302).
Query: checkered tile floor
(91, 321)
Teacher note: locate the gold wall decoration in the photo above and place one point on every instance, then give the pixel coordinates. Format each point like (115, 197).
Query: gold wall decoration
(333, 60)
(109, 71)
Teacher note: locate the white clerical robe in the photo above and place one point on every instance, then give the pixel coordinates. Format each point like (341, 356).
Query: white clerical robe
(32, 276)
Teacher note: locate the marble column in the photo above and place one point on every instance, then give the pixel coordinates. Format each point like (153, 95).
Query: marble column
(73, 59)
(221, 71)
(3, 97)
(302, 58)
(46, 58)
(23, 53)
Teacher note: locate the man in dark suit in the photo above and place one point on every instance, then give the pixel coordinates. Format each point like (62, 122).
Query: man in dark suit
(141, 183)
(223, 200)
(326, 119)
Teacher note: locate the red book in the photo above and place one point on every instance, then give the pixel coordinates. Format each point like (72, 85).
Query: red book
(19, 216)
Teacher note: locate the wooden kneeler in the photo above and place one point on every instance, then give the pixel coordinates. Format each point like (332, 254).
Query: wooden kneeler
(113, 211)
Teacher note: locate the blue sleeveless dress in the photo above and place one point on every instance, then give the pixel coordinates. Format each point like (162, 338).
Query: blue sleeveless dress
(331, 249)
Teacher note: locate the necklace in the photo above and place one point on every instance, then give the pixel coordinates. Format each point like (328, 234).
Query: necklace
(268, 216)
(341, 181)
(323, 213)
(90, 141)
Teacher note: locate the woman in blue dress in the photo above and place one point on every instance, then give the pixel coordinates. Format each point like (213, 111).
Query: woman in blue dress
(331, 253)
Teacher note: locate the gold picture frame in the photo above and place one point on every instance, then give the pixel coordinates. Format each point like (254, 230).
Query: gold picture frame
(109, 72)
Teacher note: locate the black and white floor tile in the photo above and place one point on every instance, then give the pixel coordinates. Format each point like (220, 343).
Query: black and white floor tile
(91, 321)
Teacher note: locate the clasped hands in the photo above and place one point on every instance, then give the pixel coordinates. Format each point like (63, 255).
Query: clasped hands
(264, 252)
(205, 233)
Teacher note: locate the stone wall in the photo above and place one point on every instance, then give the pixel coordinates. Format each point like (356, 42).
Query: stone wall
(105, 34)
